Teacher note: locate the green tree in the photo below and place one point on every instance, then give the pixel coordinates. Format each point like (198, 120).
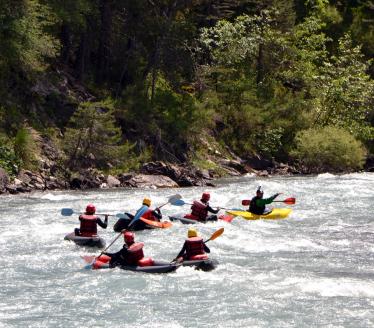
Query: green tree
(344, 91)
(92, 137)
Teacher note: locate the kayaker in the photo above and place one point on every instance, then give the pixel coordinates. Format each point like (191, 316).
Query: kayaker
(130, 254)
(200, 209)
(154, 215)
(193, 248)
(89, 222)
(132, 222)
(258, 203)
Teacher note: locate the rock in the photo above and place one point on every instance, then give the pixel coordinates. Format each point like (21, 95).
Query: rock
(159, 181)
(263, 173)
(39, 186)
(24, 176)
(37, 179)
(369, 165)
(23, 189)
(259, 163)
(205, 174)
(112, 182)
(4, 179)
(17, 182)
(125, 177)
(184, 176)
(12, 189)
(233, 164)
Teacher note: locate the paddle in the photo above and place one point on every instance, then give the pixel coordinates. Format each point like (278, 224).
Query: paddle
(106, 248)
(181, 202)
(215, 234)
(288, 201)
(70, 211)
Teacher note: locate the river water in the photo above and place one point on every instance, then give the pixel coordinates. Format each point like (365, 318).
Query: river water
(313, 269)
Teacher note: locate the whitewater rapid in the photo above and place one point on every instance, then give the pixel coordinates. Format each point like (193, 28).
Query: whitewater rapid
(313, 269)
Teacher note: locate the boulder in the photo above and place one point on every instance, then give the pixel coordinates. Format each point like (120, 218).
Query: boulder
(233, 165)
(4, 179)
(158, 181)
(258, 163)
(12, 189)
(24, 176)
(112, 182)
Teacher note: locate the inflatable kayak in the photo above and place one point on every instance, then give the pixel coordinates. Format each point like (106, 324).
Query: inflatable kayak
(203, 265)
(141, 224)
(147, 265)
(94, 241)
(275, 214)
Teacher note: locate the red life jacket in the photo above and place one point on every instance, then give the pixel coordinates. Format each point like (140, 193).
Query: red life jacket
(149, 216)
(194, 246)
(199, 210)
(88, 226)
(135, 253)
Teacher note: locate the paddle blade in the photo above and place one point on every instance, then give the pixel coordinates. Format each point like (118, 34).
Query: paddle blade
(122, 216)
(216, 234)
(290, 201)
(174, 198)
(88, 258)
(178, 202)
(226, 217)
(67, 211)
(246, 202)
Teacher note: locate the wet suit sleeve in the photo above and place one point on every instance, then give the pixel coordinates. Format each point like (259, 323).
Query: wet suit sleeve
(101, 223)
(265, 201)
(157, 213)
(209, 209)
(183, 250)
(206, 248)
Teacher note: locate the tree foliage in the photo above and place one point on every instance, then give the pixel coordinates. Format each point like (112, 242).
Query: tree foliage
(250, 73)
(329, 149)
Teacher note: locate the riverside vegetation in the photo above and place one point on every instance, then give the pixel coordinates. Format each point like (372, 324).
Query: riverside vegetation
(106, 86)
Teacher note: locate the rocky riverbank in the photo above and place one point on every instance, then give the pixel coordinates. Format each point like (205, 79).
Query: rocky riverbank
(153, 175)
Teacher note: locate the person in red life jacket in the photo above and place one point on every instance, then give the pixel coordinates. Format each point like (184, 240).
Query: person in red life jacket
(258, 203)
(154, 215)
(193, 248)
(89, 222)
(200, 209)
(130, 254)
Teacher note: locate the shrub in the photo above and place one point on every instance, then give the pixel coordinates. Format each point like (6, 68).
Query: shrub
(27, 147)
(8, 160)
(329, 148)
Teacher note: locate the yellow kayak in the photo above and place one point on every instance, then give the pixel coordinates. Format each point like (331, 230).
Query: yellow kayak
(275, 214)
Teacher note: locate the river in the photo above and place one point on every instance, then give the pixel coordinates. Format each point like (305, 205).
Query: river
(313, 269)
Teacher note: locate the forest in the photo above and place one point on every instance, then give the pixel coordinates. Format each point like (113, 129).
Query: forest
(112, 84)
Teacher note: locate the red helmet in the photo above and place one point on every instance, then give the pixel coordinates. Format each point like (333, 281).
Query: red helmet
(205, 196)
(129, 237)
(90, 209)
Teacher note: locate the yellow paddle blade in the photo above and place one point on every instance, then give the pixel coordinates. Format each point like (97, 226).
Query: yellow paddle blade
(217, 233)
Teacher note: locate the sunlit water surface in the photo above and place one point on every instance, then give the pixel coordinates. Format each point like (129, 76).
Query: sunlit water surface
(314, 269)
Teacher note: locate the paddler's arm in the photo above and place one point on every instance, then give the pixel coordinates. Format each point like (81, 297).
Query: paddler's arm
(181, 253)
(206, 248)
(157, 213)
(211, 210)
(101, 223)
(265, 201)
